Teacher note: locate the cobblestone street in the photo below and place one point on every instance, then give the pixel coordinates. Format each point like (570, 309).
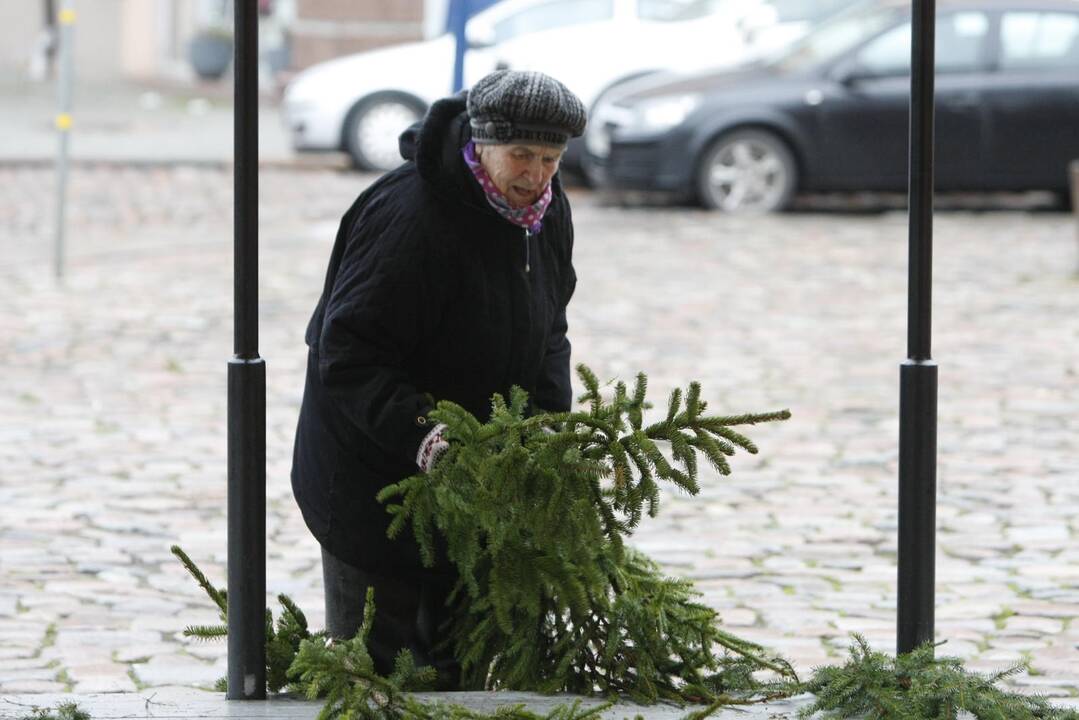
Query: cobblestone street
(112, 416)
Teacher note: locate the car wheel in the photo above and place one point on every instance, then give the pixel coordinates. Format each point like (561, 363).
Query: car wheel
(373, 127)
(749, 171)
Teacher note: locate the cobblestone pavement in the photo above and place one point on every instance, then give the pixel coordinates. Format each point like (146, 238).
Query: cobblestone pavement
(112, 417)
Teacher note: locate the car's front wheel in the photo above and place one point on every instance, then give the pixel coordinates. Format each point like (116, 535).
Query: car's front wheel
(750, 171)
(373, 127)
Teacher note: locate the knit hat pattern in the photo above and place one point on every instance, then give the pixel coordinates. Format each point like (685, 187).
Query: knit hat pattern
(523, 106)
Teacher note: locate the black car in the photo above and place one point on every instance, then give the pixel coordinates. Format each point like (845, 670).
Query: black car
(832, 112)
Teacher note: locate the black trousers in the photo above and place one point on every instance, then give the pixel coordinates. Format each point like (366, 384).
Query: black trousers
(407, 616)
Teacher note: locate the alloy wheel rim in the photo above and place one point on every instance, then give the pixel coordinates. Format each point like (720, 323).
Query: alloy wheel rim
(746, 175)
(377, 133)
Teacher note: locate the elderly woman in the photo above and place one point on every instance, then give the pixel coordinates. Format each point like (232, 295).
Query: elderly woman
(448, 280)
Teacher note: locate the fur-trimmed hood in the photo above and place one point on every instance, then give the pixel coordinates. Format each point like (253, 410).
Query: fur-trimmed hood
(435, 144)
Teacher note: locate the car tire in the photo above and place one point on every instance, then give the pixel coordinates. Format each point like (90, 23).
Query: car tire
(747, 171)
(373, 126)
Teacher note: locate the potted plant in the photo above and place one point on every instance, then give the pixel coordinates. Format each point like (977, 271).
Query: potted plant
(210, 52)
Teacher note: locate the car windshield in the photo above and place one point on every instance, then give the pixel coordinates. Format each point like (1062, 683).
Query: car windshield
(838, 34)
(551, 15)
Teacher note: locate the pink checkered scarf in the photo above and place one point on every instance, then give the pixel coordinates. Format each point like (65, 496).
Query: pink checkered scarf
(529, 217)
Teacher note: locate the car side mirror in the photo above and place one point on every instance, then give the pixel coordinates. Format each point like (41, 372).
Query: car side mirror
(850, 74)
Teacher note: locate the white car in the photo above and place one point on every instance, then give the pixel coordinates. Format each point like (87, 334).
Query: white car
(360, 103)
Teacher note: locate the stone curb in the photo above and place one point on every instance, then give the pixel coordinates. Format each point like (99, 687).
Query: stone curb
(176, 702)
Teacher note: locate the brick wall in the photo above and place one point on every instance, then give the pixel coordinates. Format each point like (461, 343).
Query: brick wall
(326, 29)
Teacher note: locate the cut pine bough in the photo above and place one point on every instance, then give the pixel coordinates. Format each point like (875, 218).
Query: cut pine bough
(534, 511)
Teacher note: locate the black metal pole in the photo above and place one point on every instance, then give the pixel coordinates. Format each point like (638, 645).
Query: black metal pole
(247, 391)
(918, 375)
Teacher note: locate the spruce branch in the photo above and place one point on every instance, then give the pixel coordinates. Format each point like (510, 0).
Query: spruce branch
(282, 641)
(916, 686)
(342, 673)
(292, 615)
(444, 711)
(206, 632)
(218, 596)
(549, 598)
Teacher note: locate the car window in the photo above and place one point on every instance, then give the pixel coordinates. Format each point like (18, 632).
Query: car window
(837, 35)
(1039, 40)
(960, 42)
(555, 14)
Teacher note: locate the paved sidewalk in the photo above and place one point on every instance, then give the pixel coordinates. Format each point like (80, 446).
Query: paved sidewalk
(131, 123)
(112, 417)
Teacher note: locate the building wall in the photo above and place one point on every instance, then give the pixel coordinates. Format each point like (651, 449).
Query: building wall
(19, 32)
(148, 39)
(141, 50)
(325, 29)
(97, 38)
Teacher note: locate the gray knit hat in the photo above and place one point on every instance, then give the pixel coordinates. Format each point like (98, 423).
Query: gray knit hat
(530, 107)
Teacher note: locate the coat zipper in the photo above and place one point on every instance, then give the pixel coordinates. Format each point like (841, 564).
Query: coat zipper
(528, 265)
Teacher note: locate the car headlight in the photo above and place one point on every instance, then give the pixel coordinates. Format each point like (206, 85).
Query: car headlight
(605, 119)
(663, 113)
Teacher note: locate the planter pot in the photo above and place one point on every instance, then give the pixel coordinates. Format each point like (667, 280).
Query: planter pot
(210, 55)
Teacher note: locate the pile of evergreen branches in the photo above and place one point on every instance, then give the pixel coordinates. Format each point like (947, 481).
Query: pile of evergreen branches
(918, 686)
(534, 511)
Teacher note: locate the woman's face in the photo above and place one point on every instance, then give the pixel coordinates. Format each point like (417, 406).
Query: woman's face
(521, 172)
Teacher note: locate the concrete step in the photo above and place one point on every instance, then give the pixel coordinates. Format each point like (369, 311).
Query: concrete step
(176, 702)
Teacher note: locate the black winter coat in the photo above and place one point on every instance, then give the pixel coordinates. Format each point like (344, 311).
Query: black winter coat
(430, 295)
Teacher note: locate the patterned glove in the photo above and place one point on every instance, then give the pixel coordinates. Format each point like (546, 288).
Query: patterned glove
(431, 448)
